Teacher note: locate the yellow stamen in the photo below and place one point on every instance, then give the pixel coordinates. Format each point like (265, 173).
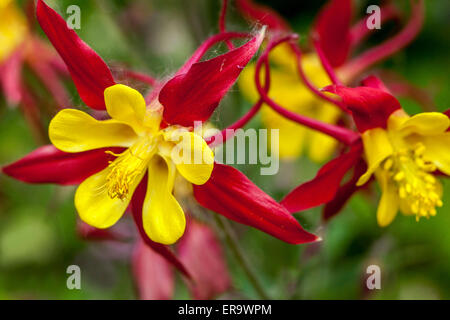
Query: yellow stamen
(417, 187)
(128, 166)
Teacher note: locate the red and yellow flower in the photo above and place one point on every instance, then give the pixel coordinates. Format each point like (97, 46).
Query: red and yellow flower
(404, 153)
(129, 158)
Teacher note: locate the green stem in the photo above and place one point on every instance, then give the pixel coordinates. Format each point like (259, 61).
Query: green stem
(232, 242)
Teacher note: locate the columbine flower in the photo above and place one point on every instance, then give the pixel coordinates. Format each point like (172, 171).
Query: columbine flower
(334, 36)
(404, 153)
(111, 158)
(103, 198)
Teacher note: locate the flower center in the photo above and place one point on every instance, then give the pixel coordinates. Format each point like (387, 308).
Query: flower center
(417, 187)
(129, 166)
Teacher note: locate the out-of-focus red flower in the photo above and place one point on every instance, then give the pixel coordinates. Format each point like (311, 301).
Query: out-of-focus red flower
(330, 56)
(336, 36)
(262, 14)
(200, 252)
(152, 273)
(20, 47)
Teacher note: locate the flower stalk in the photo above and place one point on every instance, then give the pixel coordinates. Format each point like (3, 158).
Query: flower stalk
(346, 136)
(356, 66)
(238, 254)
(222, 23)
(308, 83)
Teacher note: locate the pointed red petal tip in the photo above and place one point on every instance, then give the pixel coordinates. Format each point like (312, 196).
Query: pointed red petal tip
(374, 82)
(137, 203)
(323, 188)
(370, 107)
(333, 30)
(89, 72)
(230, 193)
(194, 96)
(152, 273)
(200, 251)
(263, 15)
(50, 165)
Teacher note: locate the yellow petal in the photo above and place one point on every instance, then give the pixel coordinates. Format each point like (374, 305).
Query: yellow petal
(192, 156)
(288, 90)
(75, 131)
(126, 105)
(163, 218)
(95, 206)
(437, 151)
(377, 148)
(314, 71)
(389, 202)
(13, 28)
(427, 123)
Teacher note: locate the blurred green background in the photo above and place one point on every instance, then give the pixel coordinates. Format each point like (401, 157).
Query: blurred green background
(37, 223)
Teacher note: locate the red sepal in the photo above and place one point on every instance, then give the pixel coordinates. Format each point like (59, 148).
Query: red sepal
(374, 82)
(230, 193)
(344, 193)
(50, 165)
(370, 107)
(334, 31)
(194, 95)
(323, 188)
(89, 72)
